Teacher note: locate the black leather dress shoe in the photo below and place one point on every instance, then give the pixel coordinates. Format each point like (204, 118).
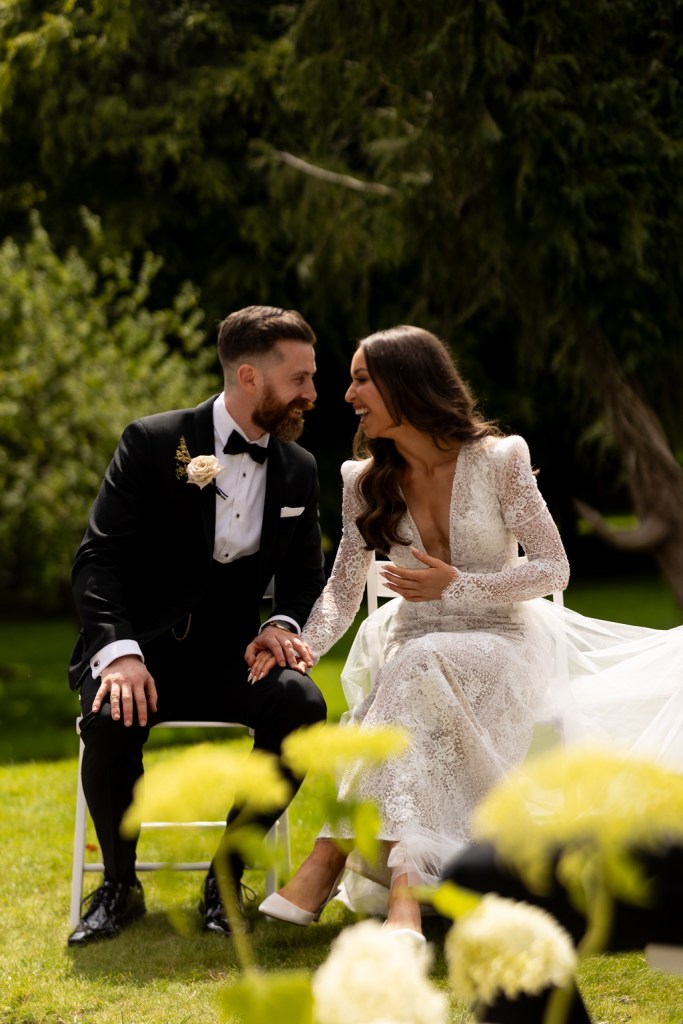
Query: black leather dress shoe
(215, 919)
(112, 907)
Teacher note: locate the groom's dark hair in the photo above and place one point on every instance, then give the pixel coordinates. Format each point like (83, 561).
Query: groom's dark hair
(254, 331)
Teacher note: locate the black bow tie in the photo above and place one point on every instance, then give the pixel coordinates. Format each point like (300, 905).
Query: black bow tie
(237, 445)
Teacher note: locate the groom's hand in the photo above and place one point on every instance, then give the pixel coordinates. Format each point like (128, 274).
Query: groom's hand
(128, 684)
(273, 647)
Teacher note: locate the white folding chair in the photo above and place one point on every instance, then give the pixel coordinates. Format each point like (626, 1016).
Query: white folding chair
(375, 587)
(278, 835)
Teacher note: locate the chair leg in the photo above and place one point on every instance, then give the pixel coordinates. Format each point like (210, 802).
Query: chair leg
(272, 841)
(283, 828)
(278, 837)
(79, 847)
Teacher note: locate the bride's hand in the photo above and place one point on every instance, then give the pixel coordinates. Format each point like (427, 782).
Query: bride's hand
(421, 584)
(261, 665)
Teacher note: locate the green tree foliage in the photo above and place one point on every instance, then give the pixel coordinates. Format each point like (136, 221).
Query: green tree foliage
(153, 116)
(144, 113)
(517, 172)
(504, 173)
(81, 355)
(529, 154)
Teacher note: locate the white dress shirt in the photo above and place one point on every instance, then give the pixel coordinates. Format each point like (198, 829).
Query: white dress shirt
(240, 494)
(240, 500)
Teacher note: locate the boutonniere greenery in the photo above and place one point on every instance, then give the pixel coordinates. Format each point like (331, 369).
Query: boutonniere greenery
(200, 470)
(182, 458)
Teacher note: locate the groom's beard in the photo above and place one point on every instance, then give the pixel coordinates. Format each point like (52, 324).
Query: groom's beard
(276, 417)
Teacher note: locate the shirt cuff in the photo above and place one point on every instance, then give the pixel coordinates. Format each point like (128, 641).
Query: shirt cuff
(282, 618)
(117, 649)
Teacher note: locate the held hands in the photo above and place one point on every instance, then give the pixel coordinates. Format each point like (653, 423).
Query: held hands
(421, 584)
(127, 682)
(273, 647)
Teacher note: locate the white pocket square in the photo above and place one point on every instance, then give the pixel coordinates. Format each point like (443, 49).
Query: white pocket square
(287, 510)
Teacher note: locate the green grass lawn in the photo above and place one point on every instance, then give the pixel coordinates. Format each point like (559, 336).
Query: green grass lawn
(155, 973)
(640, 602)
(164, 971)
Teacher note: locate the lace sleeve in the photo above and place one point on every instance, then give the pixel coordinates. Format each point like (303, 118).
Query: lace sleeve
(336, 608)
(526, 516)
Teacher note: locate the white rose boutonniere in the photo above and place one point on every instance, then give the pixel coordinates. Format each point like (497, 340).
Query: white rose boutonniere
(200, 470)
(203, 470)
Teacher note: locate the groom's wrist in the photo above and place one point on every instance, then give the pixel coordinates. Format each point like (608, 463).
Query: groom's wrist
(287, 624)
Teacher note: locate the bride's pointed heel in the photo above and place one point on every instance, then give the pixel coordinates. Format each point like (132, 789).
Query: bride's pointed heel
(277, 907)
(281, 909)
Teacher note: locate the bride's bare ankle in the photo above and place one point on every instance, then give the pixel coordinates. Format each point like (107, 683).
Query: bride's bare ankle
(404, 909)
(404, 916)
(312, 883)
(326, 853)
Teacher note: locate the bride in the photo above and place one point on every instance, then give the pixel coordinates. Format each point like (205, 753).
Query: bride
(438, 489)
(471, 656)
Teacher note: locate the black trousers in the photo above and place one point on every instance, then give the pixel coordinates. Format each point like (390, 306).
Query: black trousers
(200, 677)
(480, 869)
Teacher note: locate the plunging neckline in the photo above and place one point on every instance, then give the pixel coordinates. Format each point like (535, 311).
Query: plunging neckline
(465, 445)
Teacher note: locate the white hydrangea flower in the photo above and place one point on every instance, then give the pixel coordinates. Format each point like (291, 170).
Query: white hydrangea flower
(507, 947)
(374, 977)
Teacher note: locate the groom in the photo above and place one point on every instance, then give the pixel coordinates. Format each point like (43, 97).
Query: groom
(199, 509)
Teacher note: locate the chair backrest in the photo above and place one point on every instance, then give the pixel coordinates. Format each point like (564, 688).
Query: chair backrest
(375, 587)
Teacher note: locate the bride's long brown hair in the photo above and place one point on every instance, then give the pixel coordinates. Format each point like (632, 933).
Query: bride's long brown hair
(419, 383)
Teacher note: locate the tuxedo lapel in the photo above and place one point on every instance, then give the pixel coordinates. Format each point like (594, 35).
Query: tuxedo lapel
(205, 445)
(273, 502)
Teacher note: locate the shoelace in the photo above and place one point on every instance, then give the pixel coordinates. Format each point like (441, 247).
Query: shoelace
(104, 895)
(247, 893)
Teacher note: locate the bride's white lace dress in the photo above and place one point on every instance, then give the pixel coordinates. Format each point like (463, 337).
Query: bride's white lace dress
(463, 674)
(469, 675)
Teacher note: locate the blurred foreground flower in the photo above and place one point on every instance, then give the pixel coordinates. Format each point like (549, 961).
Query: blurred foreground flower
(507, 948)
(327, 751)
(374, 977)
(326, 748)
(258, 997)
(585, 803)
(202, 782)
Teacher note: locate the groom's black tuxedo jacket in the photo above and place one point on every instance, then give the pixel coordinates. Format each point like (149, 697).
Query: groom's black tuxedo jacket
(145, 560)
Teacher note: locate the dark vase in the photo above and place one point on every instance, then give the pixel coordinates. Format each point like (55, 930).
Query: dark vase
(530, 1009)
(524, 1009)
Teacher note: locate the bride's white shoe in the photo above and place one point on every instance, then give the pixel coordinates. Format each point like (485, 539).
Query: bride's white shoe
(408, 933)
(276, 906)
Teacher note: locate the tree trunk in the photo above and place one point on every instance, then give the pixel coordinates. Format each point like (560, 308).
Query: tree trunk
(655, 478)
